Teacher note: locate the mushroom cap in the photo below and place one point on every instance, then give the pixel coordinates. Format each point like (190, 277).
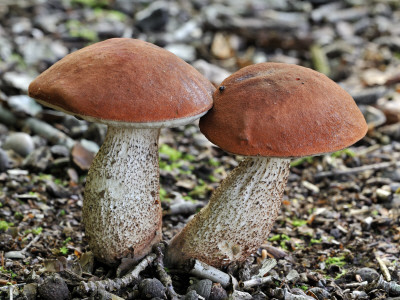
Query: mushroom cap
(123, 80)
(282, 110)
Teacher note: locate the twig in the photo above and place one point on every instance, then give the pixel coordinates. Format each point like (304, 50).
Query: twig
(356, 285)
(21, 253)
(202, 270)
(383, 268)
(164, 277)
(290, 296)
(246, 285)
(186, 208)
(392, 288)
(7, 287)
(50, 133)
(117, 283)
(31, 242)
(373, 167)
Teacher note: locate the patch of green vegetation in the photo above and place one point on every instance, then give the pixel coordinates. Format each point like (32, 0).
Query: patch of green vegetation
(5, 225)
(315, 241)
(109, 14)
(213, 162)
(303, 287)
(344, 272)
(346, 151)
(33, 194)
(337, 261)
(298, 222)
(44, 177)
(62, 213)
(91, 3)
(188, 198)
(299, 161)
(212, 178)
(163, 194)
(78, 30)
(35, 231)
(67, 240)
(199, 190)
(18, 215)
(64, 250)
(172, 153)
(5, 271)
(17, 58)
(281, 238)
(375, 212)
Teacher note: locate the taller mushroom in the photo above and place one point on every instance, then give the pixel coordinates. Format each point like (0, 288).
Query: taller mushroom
(270, 113)
(135, 88)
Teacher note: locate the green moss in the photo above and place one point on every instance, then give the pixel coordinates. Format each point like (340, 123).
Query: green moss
(91, 3)
(5, 225)
(64, 250)
(346, 151)
(315, 241)
(78, 30)
(337, 261)
(298, 223)
(163, 194)
(301, 160)
(172, 153)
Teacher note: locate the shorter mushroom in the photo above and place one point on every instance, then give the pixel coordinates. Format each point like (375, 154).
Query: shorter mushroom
(270, 113)
(135, 88)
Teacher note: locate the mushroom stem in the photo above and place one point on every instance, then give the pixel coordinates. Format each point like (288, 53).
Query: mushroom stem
(121, 208)
(238, 217)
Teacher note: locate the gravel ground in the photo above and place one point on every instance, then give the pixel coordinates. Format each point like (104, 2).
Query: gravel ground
(338, 233)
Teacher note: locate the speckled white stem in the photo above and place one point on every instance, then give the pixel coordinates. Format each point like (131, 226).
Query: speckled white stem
(238, 217)
(121, 208)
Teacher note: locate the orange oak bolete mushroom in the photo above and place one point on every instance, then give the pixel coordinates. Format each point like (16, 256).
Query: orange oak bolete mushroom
(270, 113)
(135, 88)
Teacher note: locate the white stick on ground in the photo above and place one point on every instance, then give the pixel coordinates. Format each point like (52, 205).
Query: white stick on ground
(202, 270)
(117, 283)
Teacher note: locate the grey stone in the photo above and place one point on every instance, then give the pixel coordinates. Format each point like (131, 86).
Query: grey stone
(154, 17)
(368, 274)
(39, 159)
(151, 288)
(202, 287)
(25, 104)
(19, 81)
(186, 52)
(20, 143)
(53, 287)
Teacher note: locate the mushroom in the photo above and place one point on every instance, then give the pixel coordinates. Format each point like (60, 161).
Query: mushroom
(270, 113)
(135, 88)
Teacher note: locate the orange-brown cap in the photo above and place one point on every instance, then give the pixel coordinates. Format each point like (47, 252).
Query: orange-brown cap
(282, 110)
(125, 81)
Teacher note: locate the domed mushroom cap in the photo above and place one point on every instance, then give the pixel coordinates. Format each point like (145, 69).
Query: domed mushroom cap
(281, 110)
(124, 80)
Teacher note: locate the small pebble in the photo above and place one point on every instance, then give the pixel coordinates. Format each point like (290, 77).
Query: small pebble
(368, 274)
(5, 162)
(151, 288)
(20, 143)
(202, 287)
(54, 287)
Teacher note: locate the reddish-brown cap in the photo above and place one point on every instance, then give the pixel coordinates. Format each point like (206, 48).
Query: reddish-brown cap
(282, 110)
(124, 80)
